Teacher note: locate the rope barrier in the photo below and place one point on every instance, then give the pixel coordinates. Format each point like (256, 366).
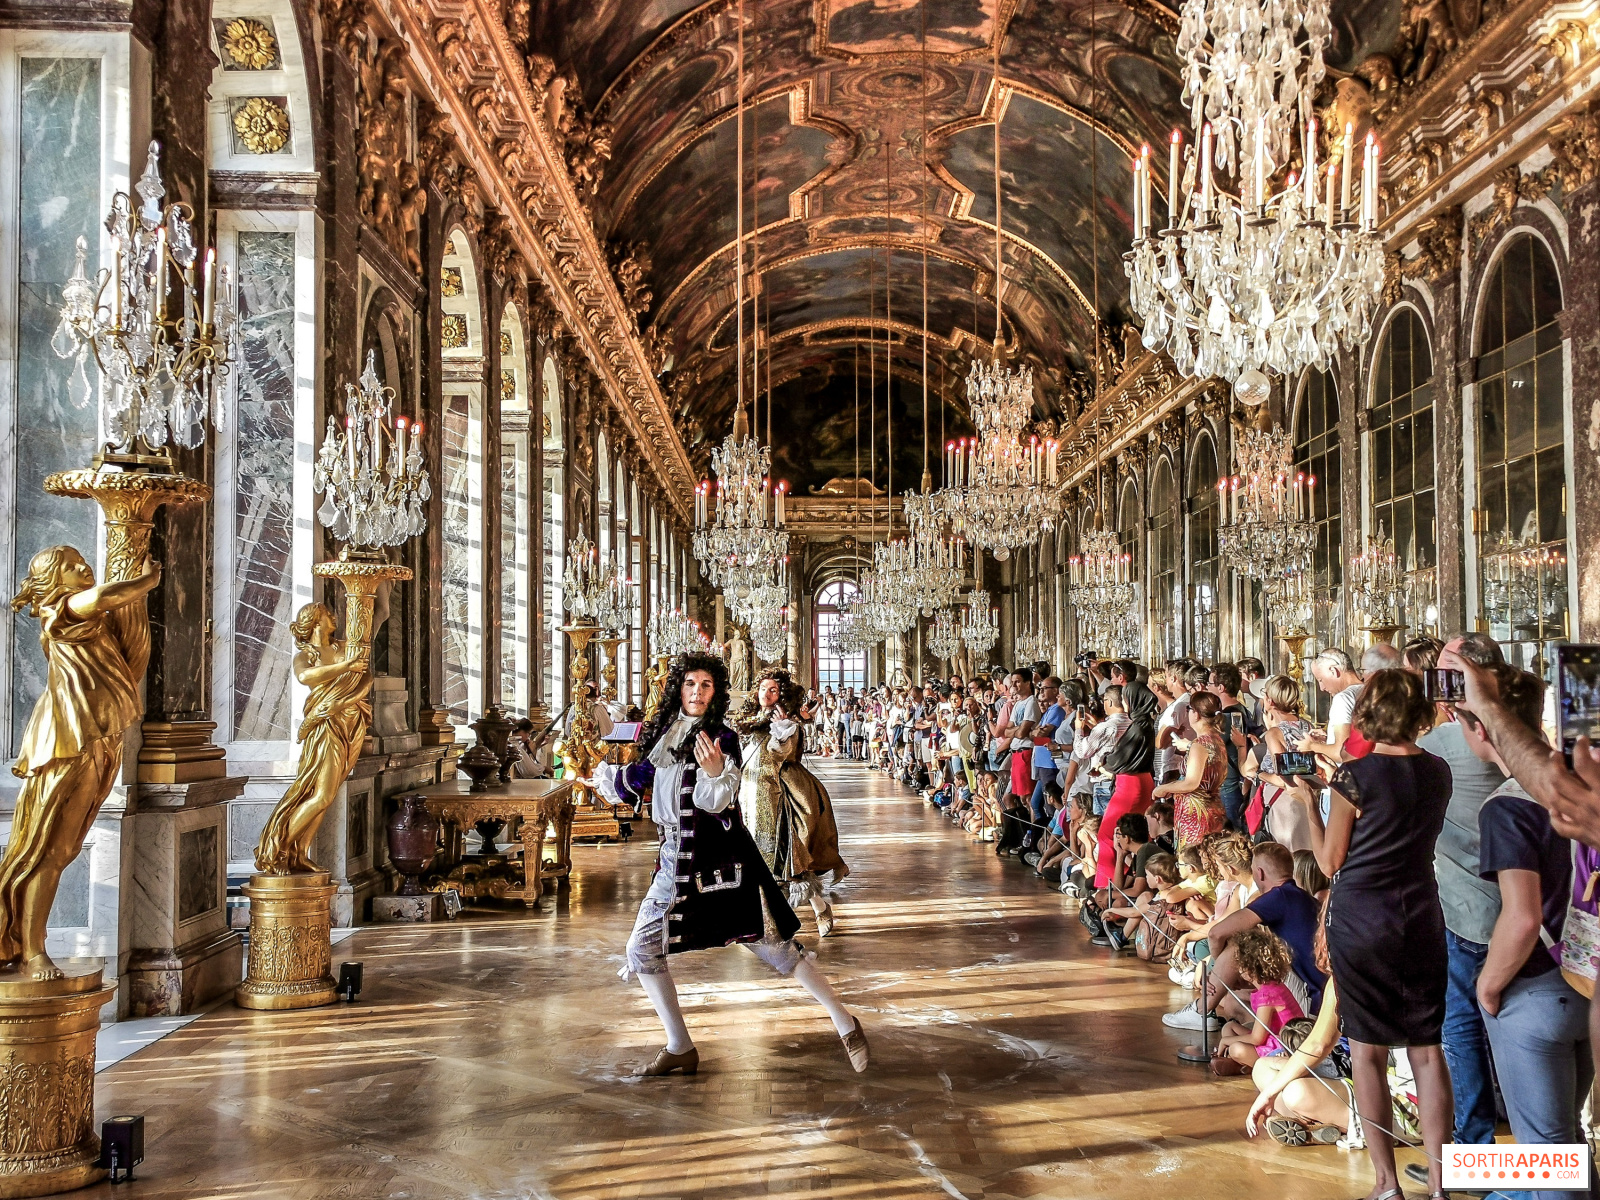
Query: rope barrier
(1205, 976)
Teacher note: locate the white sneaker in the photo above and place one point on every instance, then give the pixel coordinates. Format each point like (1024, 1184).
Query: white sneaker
(1175, 974)
(1188, 1017)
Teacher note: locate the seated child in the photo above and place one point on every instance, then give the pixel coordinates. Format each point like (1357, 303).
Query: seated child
(1159, 815)
(1264, 963)
(1145, 919)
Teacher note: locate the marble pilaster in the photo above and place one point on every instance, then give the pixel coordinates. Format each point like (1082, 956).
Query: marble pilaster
(1451, 365)
(1580, 322)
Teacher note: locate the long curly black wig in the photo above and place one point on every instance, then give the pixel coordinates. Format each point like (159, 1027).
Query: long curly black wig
(790, 697)
(711, 722)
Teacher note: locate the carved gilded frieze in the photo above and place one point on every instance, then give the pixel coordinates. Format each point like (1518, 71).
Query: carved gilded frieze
(509, 141)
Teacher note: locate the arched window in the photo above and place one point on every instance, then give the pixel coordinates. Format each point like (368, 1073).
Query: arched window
(1166, 588)
(1316, 452)
(1522, 480)
(1205, 569)
(516, 464)
(835, 670)
(554, 539)
(1401, 425)
(463, 460)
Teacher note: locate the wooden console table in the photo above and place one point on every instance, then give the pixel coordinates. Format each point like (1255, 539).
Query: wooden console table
(541, 803)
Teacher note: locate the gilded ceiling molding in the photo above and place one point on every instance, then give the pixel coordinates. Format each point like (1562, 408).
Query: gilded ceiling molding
(464, 58)
(1482, 101)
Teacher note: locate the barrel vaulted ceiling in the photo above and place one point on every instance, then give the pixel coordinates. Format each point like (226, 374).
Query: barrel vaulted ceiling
(845, 201)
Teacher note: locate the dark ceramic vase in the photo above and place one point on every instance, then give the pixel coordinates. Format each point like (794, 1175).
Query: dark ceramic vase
(413, 842)
(479, 763)
(494, 730)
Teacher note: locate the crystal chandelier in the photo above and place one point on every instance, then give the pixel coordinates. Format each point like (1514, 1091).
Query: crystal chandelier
(1377, 581)
(673, 633)
(769, 634)
(1267, 530)
(886, 609)
(1514, 572)
(160, 354)
(371, 474)
(617, 599)
(1000, 491)
(931, 563)
(1256, 281)
(741, 541)
(1243, 64)
(980, 626)
(944, 635)
(1102, 592)
(1290, 603)
(1035, 646)
(848, 636)
(583, 581)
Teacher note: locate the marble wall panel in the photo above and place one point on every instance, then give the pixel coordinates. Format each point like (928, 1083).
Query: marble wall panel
(59, 201)
(264, 489)
(458, 539)
(198, 867)
(515, 549)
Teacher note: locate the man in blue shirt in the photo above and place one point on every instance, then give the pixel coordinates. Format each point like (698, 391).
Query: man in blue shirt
(1044, 763)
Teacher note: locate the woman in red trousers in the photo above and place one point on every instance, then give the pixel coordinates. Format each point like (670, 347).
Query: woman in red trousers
(1130, 761)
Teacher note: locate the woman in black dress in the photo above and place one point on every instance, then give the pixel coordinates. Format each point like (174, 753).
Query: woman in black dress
(1385, 927)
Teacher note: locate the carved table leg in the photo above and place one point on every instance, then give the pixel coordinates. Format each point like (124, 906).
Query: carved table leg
(564, 843)
(533, 832)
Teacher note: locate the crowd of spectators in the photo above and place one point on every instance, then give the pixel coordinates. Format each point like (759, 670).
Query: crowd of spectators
(1386, 916)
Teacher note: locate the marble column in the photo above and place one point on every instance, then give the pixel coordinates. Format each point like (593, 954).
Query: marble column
(1580, 323)
(535, 347)
(178, 746)
(1452, 366)
(492, 614)
(1346, 377)
(428, 674)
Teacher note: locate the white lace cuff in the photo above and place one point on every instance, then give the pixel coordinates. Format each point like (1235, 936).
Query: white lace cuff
(605, 782)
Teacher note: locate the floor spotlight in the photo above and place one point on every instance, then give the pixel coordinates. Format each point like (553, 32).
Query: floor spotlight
(349, 981)
(121, 1146)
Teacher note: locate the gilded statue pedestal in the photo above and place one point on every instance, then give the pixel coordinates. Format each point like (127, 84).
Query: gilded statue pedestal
(291, 954)
(48, 1142)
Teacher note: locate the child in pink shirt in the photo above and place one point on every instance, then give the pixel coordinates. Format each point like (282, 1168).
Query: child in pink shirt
(1264, 963)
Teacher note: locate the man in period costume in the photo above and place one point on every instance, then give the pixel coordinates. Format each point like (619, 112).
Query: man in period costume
(711, 887)
(790, 814)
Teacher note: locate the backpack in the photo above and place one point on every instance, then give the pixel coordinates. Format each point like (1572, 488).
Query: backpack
(1580, 936)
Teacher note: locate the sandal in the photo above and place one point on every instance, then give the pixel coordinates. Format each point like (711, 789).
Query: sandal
(1286, 1131)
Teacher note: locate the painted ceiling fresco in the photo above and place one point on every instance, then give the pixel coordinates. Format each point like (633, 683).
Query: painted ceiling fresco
(874, 129)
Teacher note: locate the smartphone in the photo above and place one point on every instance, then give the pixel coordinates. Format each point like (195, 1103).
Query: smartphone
(1444, 686)
(1296, 762)
(1577, 693)
(1232, 722)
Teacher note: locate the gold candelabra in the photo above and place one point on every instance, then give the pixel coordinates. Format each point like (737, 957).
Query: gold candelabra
(609, 672)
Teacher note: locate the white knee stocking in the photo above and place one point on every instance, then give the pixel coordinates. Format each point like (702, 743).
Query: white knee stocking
(814, 981)
(663, 995)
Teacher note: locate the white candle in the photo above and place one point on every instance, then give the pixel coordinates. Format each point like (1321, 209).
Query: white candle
(1144, 155)
(208, 287)
(1172, 180)
(1205, 169)
(1261, 163)
(1137, 190)
(116, 282)
(158, 290)
(1331, 217)
(1344, 181)
(350, 443)
(400, 445)
(1310, 165)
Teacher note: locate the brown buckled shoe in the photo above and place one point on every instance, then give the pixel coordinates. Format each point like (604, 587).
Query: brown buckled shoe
(667, 1062)
(855, 1045)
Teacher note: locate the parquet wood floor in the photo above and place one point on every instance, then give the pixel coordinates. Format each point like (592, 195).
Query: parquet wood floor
(491, 1058)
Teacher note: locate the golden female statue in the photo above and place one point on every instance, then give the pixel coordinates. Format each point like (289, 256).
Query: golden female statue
(332, 733)
(72, 747)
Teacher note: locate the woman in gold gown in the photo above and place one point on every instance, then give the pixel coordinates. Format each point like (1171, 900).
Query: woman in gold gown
(332, 733)
(96, 647)
(787, 808)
